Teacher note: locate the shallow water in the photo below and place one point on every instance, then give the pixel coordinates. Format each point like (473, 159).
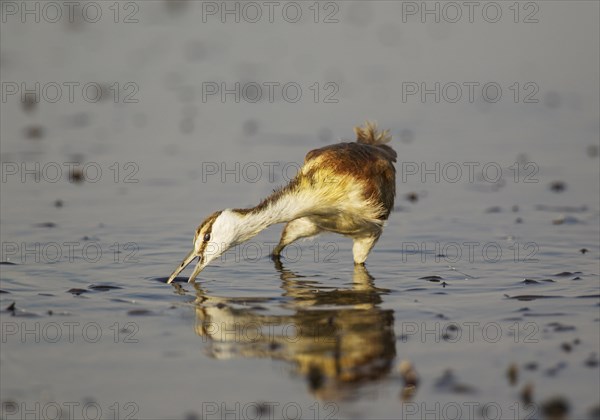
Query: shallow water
(489, 287)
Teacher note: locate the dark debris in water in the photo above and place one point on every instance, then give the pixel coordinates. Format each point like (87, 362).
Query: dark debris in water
(435, 279)
(527, 298)
(557, 186)
(512, 373)
(555, 408)
(7, 263)
(45, 225)
(558, 327)
(4, 291)
(76, 291)
(76, 175)
(566, 347)
(531, 281)
(103, 287)
(263, 409)
(567, 273)
(34, 132)
(494, 209)
(413, 197)
(527, 394)
(140, 312)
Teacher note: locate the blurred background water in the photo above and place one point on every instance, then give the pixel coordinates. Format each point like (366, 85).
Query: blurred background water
(122, 127)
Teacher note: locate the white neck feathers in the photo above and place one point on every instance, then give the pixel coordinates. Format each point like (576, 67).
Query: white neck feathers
(278, 208)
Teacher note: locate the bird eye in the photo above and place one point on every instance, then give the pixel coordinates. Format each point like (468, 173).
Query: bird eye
(207, 237)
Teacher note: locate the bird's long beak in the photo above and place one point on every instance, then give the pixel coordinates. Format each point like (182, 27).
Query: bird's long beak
(199, 267)
(186, 261)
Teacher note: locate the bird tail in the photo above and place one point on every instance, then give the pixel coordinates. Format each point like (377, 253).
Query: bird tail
(370, 135)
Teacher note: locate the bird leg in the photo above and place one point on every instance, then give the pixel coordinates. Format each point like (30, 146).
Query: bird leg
(303, 227)
(362, 246)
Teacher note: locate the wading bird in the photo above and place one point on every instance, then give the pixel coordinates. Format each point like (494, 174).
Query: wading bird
(346, 188)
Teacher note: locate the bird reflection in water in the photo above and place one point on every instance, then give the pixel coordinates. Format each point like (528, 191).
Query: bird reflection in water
(338, 339)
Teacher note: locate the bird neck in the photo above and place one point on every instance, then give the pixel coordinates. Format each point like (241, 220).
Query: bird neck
(282, 206)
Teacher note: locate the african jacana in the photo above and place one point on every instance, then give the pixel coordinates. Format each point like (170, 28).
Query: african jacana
(346, 188)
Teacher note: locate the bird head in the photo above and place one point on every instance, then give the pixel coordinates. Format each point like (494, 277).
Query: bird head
(215, 235)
